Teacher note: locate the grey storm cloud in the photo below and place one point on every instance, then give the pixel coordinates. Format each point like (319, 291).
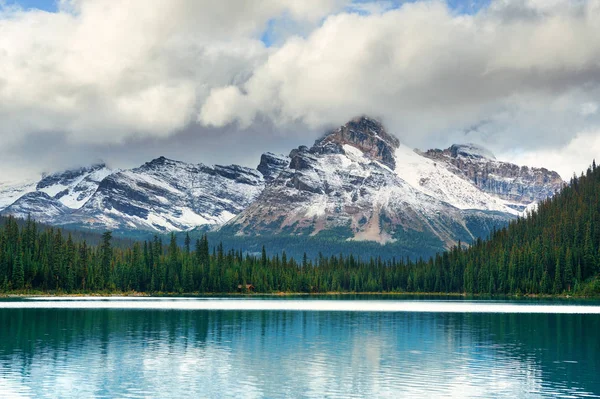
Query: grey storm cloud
(190, 79)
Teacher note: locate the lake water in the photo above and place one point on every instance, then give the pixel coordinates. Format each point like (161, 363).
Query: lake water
(176, 348)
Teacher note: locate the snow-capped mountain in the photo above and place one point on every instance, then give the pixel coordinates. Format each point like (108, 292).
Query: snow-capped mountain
(361, 182)
(54, 196)
(12, 191)
(167, 195)
(73, 188)
(161, 195)
(357, 182)
(520, 185)
(39, 205)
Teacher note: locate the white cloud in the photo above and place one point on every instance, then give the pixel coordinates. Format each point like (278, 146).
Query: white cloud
(104, 71)
(522, 67)
(574, 157)
(519, 76)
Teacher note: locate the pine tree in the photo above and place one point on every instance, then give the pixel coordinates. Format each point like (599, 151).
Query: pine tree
(106, 257)
(18, 276)
(187, 243)
(557, 287)
(568, 278)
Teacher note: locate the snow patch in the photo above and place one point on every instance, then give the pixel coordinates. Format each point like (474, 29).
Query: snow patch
(434, 179)
(12, 191)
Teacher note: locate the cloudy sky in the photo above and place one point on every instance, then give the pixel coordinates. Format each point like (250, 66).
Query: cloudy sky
(223, 81)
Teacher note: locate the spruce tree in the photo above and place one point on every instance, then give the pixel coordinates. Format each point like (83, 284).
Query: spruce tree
(18, 277)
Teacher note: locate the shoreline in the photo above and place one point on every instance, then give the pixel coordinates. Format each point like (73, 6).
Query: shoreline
(33, 294)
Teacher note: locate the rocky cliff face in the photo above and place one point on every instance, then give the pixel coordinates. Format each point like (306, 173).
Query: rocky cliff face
(365, 134)
(271, 165)
(519, 184)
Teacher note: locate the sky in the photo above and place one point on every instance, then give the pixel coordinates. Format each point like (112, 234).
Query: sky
(222, 82)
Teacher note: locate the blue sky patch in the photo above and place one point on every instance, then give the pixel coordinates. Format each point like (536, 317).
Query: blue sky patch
(46, 5)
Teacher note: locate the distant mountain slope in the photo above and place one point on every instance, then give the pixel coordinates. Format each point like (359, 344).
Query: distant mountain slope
(356, 183)
(167, 195)
(555, 250)
(360, 182)
(521, 185)
(12, 191)
(39, 206)
(71, 188)
(162, 195)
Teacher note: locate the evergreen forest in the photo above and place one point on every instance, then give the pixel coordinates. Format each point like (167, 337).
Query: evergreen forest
(554, 250)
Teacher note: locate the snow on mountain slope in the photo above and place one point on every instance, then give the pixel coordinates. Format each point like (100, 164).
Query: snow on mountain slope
(167, 195)
(359, 181)
(162, 195)
(73, 188)
(437, 181)
(519, 186)
(39, 205)
(11, 191)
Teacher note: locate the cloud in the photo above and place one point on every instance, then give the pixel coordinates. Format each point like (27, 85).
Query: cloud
(589, 108)
(573, 158)
(106, 71)
(523, 67)
(518, 76)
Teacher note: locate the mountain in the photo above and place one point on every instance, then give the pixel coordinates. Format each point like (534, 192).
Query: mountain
(12, 191)
(39, 205)
(357, 183)
(521, 185)
(161, 195)
(362, 184)
(54, 196)
(166, 195)
(555, 250)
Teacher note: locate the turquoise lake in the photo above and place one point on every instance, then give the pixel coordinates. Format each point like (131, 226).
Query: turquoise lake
(298, 347)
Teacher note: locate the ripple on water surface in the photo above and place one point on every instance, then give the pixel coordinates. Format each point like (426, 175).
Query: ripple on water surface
(295, 348)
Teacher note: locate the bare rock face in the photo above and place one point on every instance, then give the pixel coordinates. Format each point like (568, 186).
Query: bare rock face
(368, 135)
(520, 184)
(271, 165)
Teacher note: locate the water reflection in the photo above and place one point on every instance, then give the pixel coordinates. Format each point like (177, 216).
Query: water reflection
(157, 353)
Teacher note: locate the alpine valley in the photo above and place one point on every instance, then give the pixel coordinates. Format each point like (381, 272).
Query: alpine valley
(356, 186)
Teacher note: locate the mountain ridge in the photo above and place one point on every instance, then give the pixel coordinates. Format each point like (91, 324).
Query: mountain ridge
(357, 180)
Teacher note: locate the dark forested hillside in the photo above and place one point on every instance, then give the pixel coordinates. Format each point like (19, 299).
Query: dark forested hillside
(78, 234)
(554, 250)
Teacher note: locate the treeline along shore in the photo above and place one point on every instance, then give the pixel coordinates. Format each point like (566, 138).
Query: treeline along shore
(555, 250)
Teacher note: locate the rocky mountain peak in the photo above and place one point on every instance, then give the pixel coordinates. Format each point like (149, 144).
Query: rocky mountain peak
(519, 184)
(364, 133)
(67, 176)
(470, 151)
(271, 165)
(158, 163)
(467, 151)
